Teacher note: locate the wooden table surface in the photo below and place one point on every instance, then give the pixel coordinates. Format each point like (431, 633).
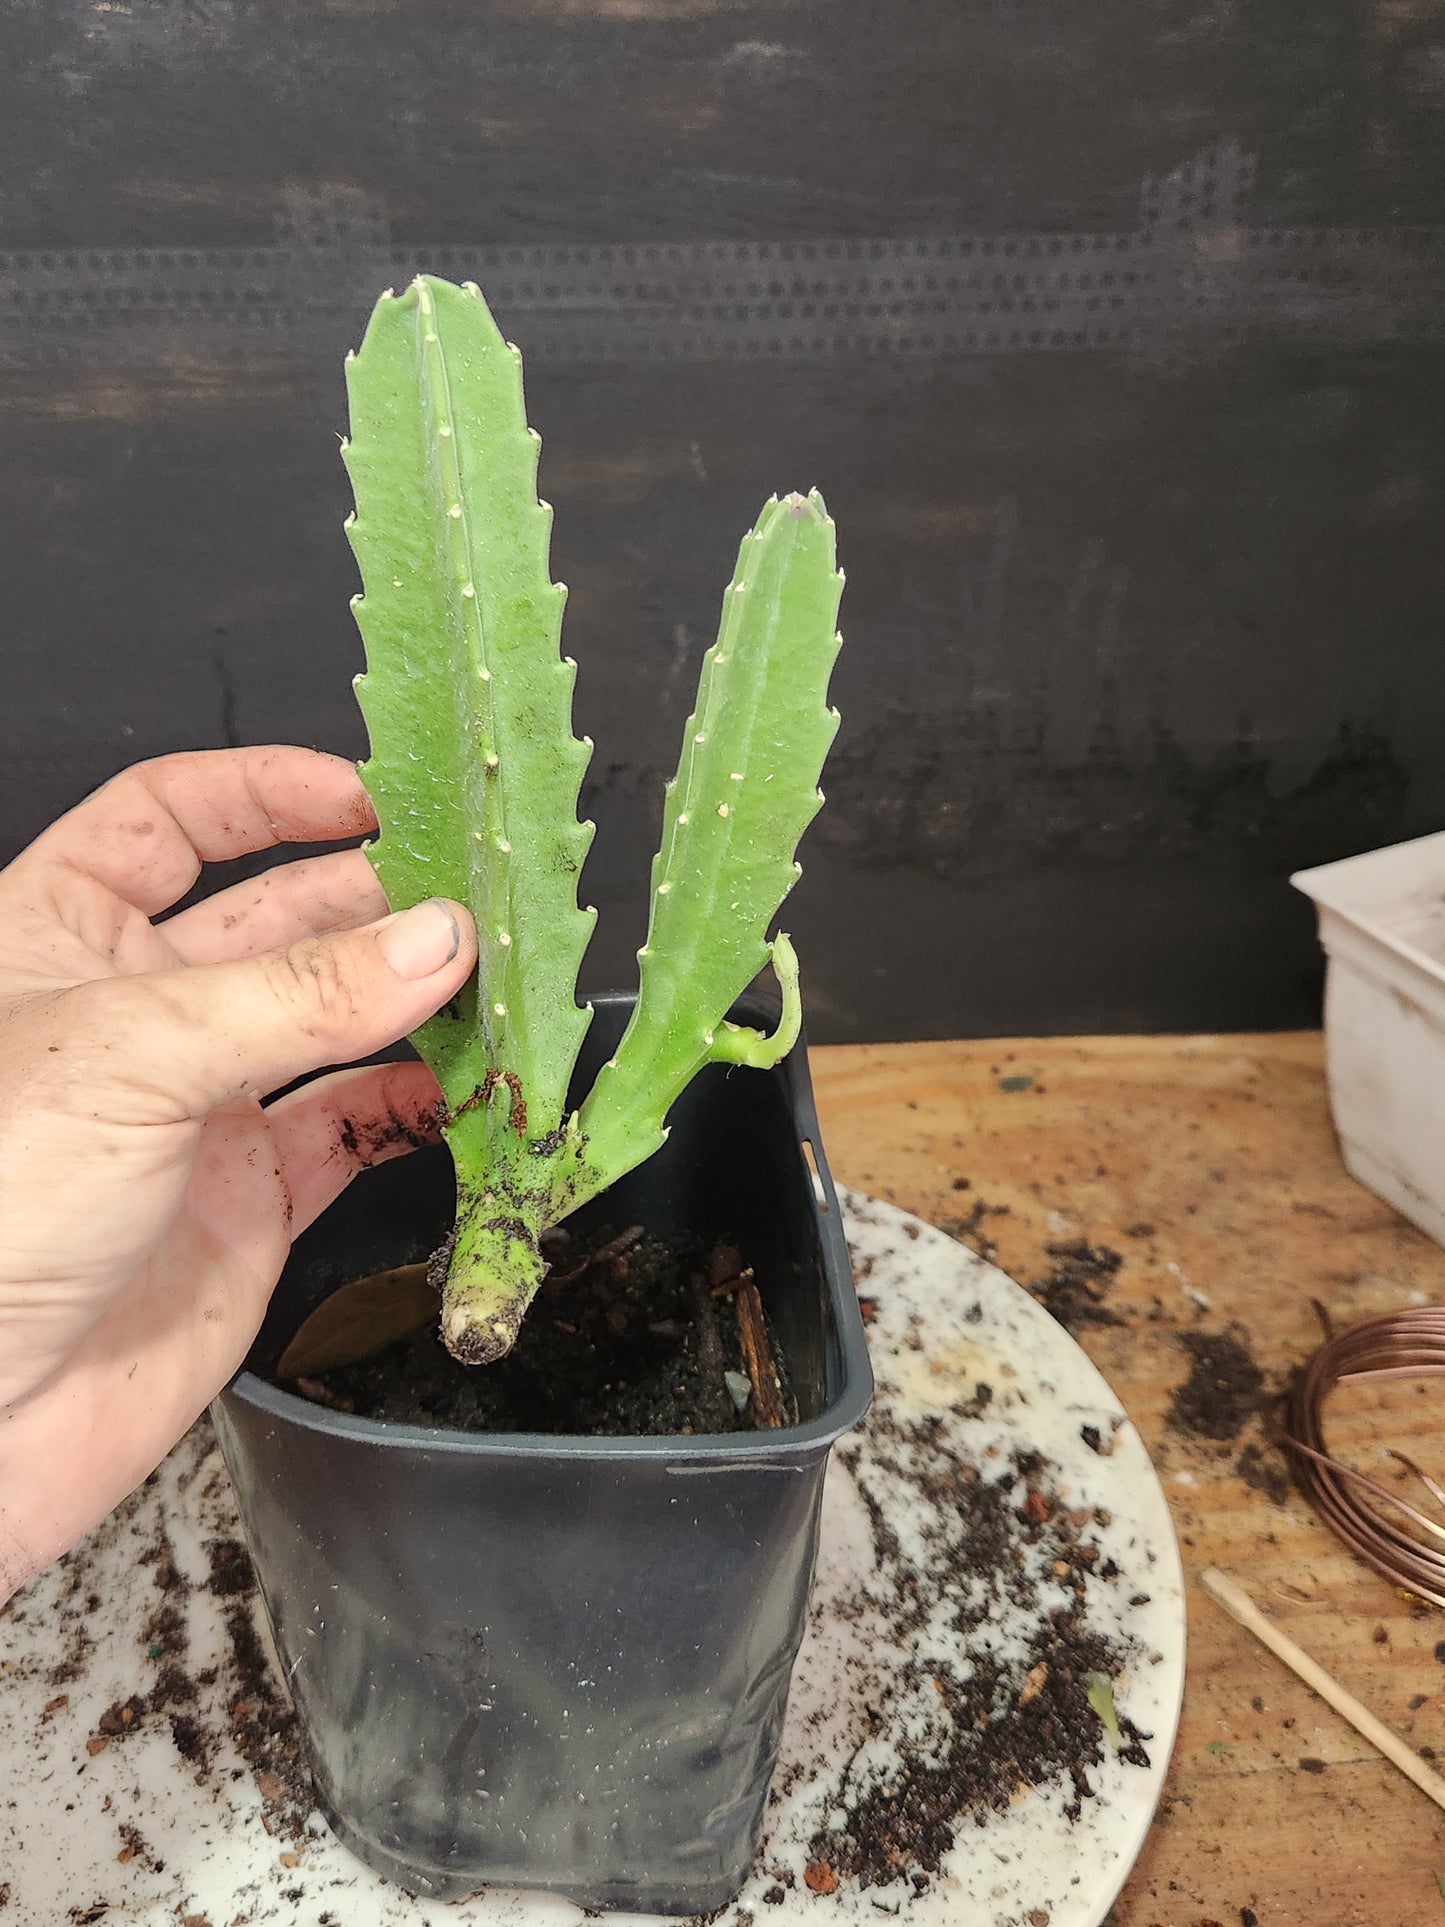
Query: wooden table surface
(1208, 1164)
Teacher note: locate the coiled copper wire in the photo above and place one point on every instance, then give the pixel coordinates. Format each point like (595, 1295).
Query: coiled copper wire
(1401, 1542)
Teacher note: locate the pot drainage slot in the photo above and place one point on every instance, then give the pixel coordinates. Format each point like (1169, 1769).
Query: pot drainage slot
(819, 1190)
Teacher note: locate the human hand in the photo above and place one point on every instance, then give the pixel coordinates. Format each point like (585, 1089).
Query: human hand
(147, 1201)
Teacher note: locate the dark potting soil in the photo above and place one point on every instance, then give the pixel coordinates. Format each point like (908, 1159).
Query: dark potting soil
(629, 1336)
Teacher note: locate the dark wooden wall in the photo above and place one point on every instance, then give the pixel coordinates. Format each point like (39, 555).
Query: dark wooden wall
(1112, 335)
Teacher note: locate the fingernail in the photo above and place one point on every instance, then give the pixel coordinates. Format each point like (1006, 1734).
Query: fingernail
(419, 941)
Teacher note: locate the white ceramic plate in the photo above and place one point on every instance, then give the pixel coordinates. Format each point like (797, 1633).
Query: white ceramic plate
(883, 1635)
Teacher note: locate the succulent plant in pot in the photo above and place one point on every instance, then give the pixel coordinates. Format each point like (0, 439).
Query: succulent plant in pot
(559, 1661)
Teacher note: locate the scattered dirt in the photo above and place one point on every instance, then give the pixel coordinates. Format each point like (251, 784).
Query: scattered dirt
(122, 1718)
(366, 1142)
(262, 1722)
(166, 1641)
(628, 1336)
(78, 1647)
(1008, 1721)
(192, 1703)
(231, 1571)
(1224, 1389)
(259, 1713)
(969, 1229)
(1079, 1280)
(133, 1847)
(1080, 1275)
(1264, 1470)
(263, 1726)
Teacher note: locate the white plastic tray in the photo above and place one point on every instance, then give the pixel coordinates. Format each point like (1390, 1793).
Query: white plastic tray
(945, 1322)
(1382, 925)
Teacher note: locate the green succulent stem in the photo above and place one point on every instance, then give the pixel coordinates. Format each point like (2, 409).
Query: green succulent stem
(494, 1266)
(475, 774)
(739, 1044)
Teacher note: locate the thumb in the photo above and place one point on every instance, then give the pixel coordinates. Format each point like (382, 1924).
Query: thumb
(185, 1041)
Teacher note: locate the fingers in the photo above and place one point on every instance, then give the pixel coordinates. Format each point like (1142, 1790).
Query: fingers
(328, 1131)
(175, 1044)
(310, 898)
(146, 833)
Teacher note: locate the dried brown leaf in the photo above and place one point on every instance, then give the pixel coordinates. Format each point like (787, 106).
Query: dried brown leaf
(359, 1319)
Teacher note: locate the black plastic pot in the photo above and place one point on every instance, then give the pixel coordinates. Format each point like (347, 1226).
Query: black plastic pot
(558, 1663)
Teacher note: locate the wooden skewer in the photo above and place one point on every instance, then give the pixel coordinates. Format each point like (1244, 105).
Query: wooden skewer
(1238, 1604)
